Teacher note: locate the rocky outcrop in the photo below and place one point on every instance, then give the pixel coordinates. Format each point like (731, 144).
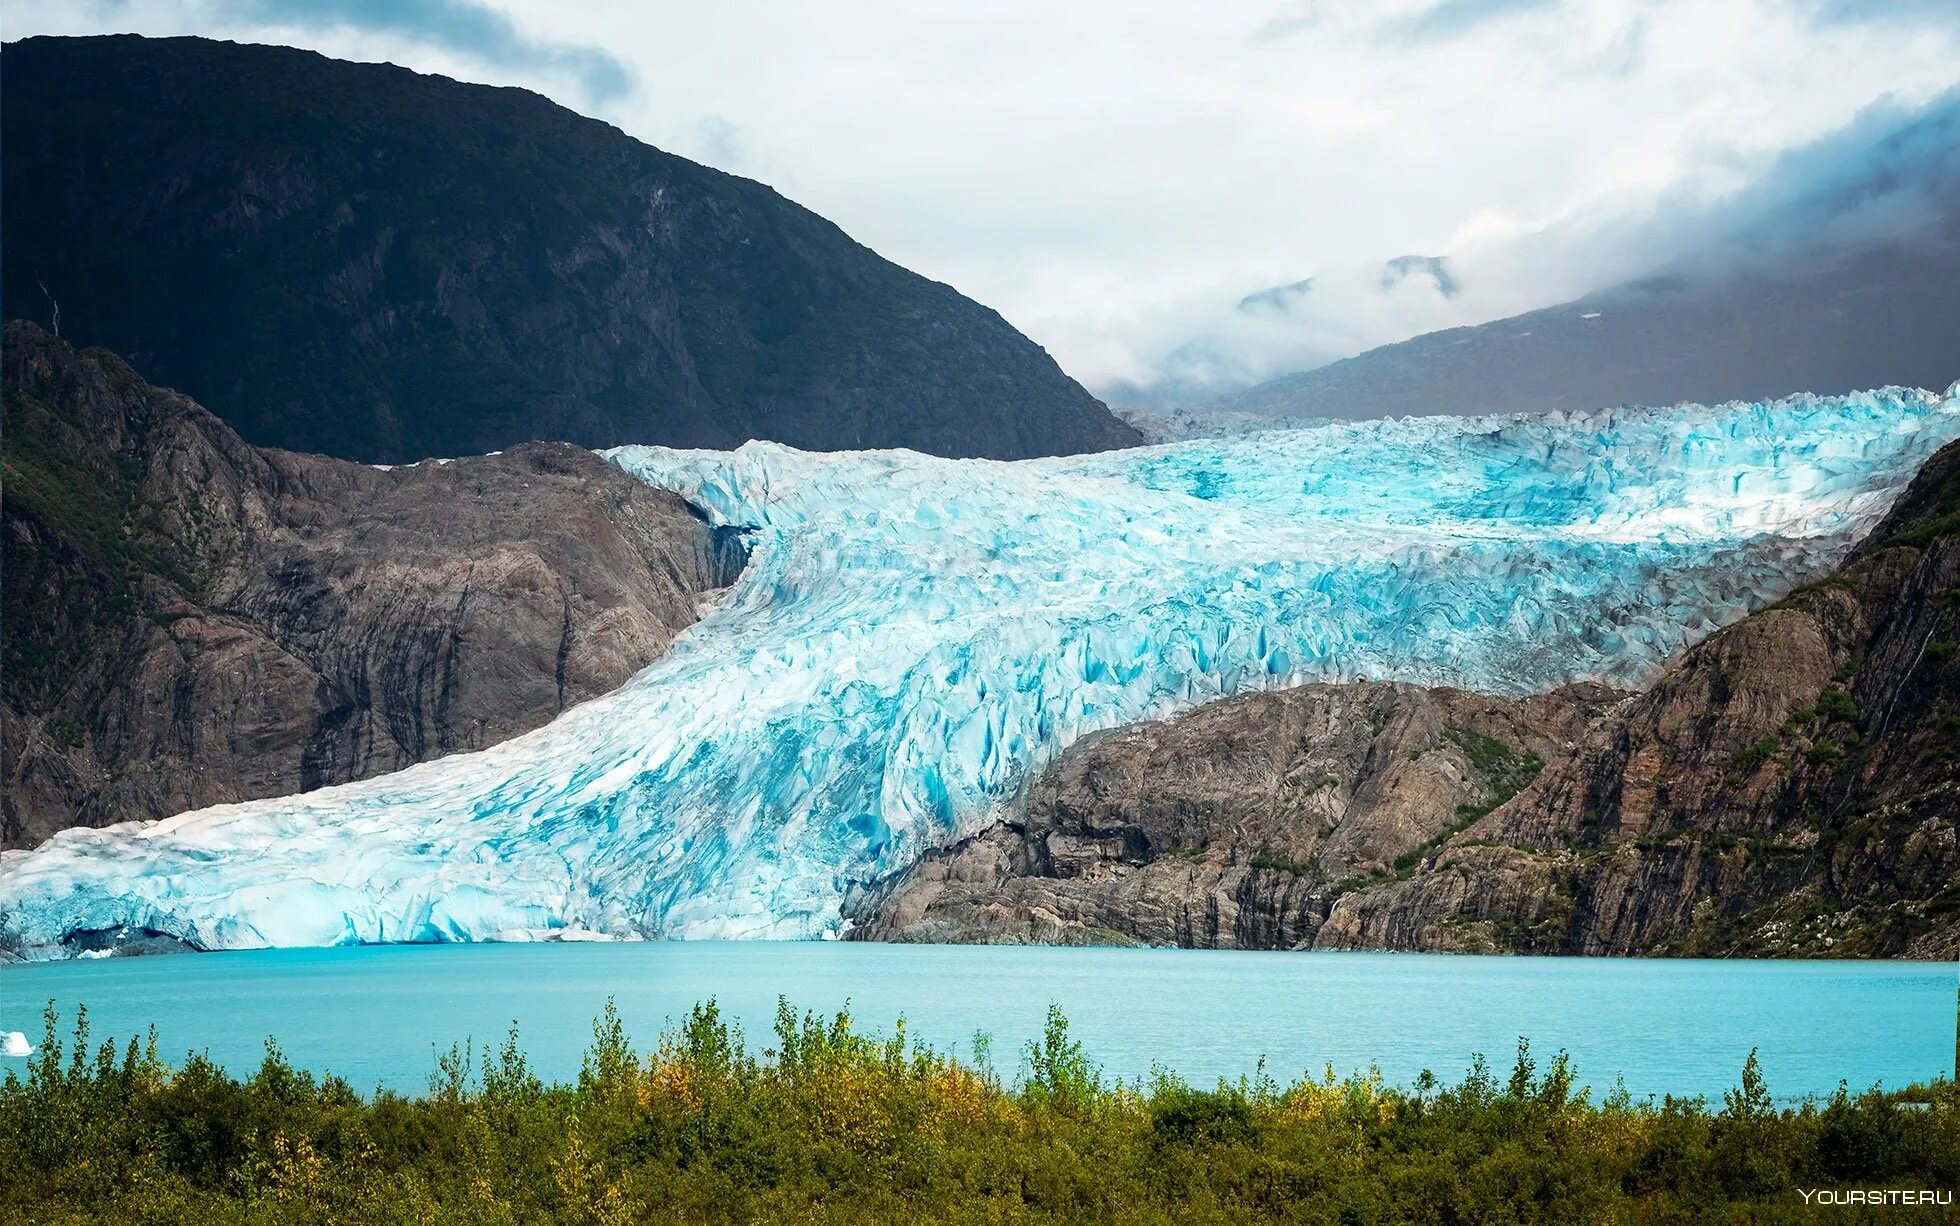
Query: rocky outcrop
(1790, 786)
(190, 620)
(367, 262)
(1237, 824)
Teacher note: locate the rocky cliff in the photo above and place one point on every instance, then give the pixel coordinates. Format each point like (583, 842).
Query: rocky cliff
(1791, 786)
(1236, 824)
(367, 262)
(189, 619)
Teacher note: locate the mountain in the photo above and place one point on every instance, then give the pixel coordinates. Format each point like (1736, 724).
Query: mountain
(1276, 297)
(371, 263)
(1280, 299)
(1839, 269)
(1435, 267)
(190, 620)
(1862, 318)
(1788, 787)
(1303, 318)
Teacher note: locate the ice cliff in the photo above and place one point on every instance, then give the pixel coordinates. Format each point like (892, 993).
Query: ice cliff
(913, 636)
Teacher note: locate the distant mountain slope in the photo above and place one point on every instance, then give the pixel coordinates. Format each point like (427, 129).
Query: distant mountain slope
(1840, 270)
(364, 261)
(1866, 318)
(189, 620)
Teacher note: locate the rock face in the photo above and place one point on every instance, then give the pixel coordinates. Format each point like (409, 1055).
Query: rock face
(367, 262)
(1237, 824)
(191, 620)
(1791, 786)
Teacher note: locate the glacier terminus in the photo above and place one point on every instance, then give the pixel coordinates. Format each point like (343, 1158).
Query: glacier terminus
(914, 637)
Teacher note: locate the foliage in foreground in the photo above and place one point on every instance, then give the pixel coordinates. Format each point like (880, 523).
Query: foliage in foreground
(831, 1125)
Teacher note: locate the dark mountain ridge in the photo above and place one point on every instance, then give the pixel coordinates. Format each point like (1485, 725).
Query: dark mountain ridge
(363, 261)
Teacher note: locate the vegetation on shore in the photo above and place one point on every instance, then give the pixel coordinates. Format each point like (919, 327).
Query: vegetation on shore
(832, 1125)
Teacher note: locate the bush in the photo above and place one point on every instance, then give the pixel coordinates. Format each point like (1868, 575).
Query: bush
(833, 1125)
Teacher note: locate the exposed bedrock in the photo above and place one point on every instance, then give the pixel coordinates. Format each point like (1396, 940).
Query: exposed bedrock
(1237, 824)
(191, 620)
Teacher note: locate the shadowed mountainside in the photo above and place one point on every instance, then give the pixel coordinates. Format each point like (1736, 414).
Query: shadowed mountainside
(190, 620)
(367, 262)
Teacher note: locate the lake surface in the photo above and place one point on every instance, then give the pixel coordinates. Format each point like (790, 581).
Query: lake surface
(376, 1015)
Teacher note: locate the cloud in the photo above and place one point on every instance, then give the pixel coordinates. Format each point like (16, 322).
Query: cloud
(470, 29)
(718, 142)
(1890, 175)
(1452, 18)
(1939, 12)
(1115, 175)
(1427, 19)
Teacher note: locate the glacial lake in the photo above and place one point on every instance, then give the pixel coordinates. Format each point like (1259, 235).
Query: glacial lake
(376, 1015)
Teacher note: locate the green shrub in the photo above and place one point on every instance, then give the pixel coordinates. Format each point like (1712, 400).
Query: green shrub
(1757, 754)
(1835, 704)
(837, 1126)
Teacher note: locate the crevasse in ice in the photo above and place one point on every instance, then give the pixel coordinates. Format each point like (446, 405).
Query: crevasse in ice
(913, 636)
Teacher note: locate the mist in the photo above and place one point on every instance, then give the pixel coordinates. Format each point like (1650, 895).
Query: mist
(1890, 176)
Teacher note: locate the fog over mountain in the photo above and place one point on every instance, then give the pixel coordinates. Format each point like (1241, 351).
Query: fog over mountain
(1837, 269)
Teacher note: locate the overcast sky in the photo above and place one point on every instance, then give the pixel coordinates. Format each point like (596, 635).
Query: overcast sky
(1114, 175)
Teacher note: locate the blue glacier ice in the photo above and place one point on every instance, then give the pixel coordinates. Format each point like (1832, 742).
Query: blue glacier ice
(914, 636)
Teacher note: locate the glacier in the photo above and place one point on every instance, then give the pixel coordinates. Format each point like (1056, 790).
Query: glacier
(914, 637)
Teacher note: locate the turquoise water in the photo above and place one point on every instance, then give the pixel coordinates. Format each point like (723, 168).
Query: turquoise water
(376, 1014)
